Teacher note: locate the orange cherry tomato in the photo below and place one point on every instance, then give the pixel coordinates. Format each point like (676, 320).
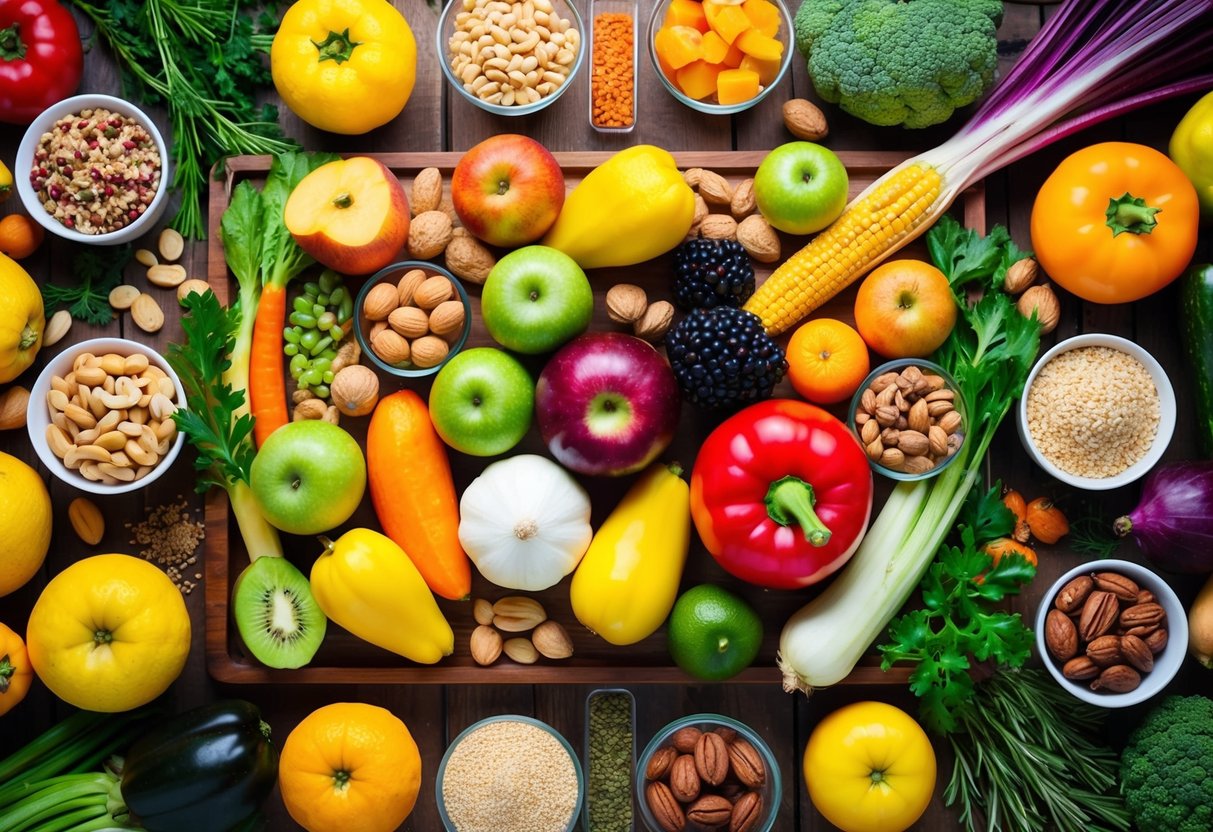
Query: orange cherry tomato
(827, 361)
(20, 236)
(1115, 222)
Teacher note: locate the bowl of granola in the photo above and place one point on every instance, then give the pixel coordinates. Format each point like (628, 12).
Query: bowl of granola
(93, 169)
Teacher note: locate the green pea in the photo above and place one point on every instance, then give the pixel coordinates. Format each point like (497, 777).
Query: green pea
(321, 363)
(302, 304)
(322, 390)
(336, 332)
(291, 334)
(303, 320)
(291, 349)
(336, 296)
(330, 353)
(321, 345)
(328, 376)
(298, 364)
(309, 339)
(322, 299)
(345, 310)
(311, 288)
(329, 280)
(310, 377)
(326, 321)
(317, 310)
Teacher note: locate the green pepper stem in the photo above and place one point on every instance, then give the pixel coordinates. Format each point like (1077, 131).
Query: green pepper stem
(336, 47)
(1130, 213)
(29, 336)
(12, 47)
(6, 672)
(791, 500)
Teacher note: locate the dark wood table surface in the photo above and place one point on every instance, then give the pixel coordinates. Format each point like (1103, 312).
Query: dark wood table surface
(437, 119)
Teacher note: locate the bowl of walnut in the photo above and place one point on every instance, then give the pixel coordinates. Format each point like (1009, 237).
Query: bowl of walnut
(1111, 632)
(707, 771)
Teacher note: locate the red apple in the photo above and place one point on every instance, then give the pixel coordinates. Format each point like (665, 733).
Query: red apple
(508, 190)
(350, 215)
(905, 309)
(607, 403)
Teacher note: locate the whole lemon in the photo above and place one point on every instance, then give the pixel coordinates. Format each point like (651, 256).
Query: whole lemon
(109, 633)
(25, 523)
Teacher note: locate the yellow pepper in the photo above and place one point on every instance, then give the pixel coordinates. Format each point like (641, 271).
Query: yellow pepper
(21, 319)
(633, 207)
(367, 584)
(627, 582)
(1192, 149)
(6, 182)
(345, 66)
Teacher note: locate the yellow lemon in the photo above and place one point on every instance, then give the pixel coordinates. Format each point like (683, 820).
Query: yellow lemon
(25, 523)
(109, 633)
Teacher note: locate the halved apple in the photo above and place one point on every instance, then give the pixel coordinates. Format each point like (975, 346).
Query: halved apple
(350, 215)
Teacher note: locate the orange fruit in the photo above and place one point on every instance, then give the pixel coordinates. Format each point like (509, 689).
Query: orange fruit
(827, 361)
(350, 767)
(20, 236)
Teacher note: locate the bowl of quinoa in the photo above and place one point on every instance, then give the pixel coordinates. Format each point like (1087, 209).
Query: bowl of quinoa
(1097, 412)
(509, 774)
(93, 169)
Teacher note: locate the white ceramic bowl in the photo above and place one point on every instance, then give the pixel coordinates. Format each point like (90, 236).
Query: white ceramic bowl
(1166, 663)
(1166, 413)
(37, 418)
(25, 160)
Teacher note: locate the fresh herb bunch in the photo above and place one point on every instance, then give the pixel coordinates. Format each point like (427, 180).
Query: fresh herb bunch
(959, 618)
(202, 59)
(97, 270)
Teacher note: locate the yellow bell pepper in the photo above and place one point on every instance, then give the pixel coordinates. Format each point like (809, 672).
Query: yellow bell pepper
(627, 582)
(870, 768)
(367, 584)
(21, 319)
(345, 66)
(6, 182)
(633, 207)
(1192, 149)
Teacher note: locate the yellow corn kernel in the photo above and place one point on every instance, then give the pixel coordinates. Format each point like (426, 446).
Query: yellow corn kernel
(889, 216)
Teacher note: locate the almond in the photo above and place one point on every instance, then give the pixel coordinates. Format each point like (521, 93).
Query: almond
(410, 322)
(743, 202)
(486, 645)
(1061, 637)
(521, 650)
(87, 520)
(482, 611)
(14, 403)
(718, 227)
(517, 614)
(429, 234)
(391, 347)
(712, 759)
(660, 763)
(665, 808)
(1098, 615)
(468, 259)
(429, 351)
(147, 314)
(167, 276)
(56, 328)
(1042, 301)
(747, 764)
(171, 244)
(913, 443)
(715, 189)
(655, 322)
(626, 303)
(805, 120)
(684, 779)
(433, 291)
(427, 191)
(551, 640)
(710, 811)
(758, 239)
(379, 302)
(447, 318)
(1020, 276)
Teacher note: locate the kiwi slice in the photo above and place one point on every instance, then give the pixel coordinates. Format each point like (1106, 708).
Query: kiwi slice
(276, 614)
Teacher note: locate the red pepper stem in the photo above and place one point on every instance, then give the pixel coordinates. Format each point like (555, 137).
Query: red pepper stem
(791, 500)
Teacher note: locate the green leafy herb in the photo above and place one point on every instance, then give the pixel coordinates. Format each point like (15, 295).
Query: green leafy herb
(959, 618)
(97, 270)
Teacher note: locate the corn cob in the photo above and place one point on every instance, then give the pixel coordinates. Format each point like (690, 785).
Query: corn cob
(892, 212)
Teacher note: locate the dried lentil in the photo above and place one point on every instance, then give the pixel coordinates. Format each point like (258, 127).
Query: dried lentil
(509, 776)
(171, 537)
(1093, 411)
(609, 775)
(611, 82)
(96, 171)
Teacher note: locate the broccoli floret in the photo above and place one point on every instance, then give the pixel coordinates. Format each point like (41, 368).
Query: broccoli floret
(894, 62)
(1166, 771)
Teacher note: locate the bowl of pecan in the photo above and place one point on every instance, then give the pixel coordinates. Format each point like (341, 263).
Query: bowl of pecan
(707, 771)
(1111, 632)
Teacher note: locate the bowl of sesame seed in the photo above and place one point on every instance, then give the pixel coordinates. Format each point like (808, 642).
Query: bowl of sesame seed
(93, 169)
(1097, 412)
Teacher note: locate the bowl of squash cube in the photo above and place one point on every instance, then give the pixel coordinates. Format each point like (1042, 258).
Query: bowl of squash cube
(720, 58)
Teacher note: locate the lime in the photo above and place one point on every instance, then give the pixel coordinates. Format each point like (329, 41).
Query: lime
(713, 633)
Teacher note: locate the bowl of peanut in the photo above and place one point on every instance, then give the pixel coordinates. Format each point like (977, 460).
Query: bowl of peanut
(510, 58)
(412, 317)
(100, 415)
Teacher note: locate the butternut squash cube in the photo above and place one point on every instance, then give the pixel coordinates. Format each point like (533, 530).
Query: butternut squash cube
(733, 86)
(767, 70)
(715, 50)
(763, 15)
(733, 57)
(698, 80)
(686, 13)
(726, 21)
(754, 42)
(679, 45)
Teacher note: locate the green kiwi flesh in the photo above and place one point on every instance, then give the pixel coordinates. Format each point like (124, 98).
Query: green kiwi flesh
(276, 615)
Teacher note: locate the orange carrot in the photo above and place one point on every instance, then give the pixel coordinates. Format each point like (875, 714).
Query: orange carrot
(414, 494)
(267, 390)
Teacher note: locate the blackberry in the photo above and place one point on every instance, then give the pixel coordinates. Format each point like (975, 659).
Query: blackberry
(722, 357)
(710, 273)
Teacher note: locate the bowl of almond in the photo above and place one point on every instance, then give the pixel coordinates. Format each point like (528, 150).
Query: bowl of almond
(412, 317)
(1111, 632)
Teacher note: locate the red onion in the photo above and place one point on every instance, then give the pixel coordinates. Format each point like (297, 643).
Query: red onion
(1173, 523)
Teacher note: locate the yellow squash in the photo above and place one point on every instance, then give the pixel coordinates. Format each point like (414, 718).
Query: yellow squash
(25, 522)
(1192, 149)
(628, 580)
(633, 207)
(21, 319)
(367, 584)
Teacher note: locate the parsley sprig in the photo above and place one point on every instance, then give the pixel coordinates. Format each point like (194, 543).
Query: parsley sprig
(97, 271)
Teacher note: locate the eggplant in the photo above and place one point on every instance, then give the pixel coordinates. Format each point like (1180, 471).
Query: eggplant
(1173, 522)
(204, 770)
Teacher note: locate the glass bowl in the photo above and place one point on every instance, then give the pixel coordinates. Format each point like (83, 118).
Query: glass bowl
(393, 273)
(784, 35)
(449, 825)
(929, 368)
(772, 790)
(446, 28)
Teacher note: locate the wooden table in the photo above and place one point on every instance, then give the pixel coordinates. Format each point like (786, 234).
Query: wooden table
(436, 119)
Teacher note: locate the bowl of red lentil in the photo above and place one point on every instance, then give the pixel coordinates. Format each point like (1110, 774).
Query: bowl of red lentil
(93, 169)
(614, 56)
(1097, 412)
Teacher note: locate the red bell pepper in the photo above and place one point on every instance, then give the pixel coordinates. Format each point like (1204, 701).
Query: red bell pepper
(41, 59)
(781, 494)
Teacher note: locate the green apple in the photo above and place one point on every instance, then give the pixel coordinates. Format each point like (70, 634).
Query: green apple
(800, 187)
(481, 402)
(535, 299)
(308, 477)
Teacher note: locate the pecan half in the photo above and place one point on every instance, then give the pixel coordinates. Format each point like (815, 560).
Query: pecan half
(1119, 678)
(1073, 594)
(747, 812)
(747, 764)
(1080, 668)
(1098, 615)
(1123, 588)
(1157, 640)
(684, 739)
(684, 780)
(1105, 651)
(1142, 615)
(1061, 637)
(664, 807)
(711, 811)
(712, 759)
(1137, 653)
(660, 762)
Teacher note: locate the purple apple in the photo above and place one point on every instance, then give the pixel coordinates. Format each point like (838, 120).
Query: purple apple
(607, 403)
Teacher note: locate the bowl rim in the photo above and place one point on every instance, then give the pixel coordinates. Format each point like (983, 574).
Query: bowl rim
(377, 278)
(25, 155)
(440, 40)
(1167, 663)
(959, 401)
(36, 419)
(528, 720)
(773, 796)
(720, 109)
(1166, 412)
